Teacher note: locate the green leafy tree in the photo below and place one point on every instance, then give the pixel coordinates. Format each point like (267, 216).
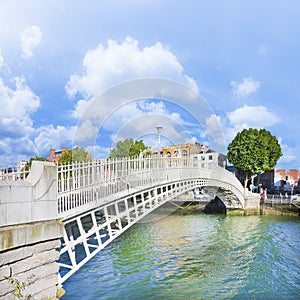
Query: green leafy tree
(137, 148)
(76, 154)
(254, 151)
(122, 149)
(129, 148)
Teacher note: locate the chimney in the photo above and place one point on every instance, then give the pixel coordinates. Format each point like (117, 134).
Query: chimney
(52, 151)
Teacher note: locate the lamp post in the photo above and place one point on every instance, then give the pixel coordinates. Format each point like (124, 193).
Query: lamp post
(159, 129)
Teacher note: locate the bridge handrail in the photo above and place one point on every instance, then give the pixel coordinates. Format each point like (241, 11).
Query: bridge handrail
(93, 179)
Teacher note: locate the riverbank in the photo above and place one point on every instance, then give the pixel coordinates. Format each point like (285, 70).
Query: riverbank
(283, 210)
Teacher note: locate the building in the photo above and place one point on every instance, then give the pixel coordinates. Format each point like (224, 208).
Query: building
(55, 155)
(205, 158)
(21, 165)
(181, 150)
(275, 181)
(286, 180)
(197, 154)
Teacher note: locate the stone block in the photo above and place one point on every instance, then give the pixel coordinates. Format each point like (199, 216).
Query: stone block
(35, 261)
(3, 213)
(8, 297)
(33, 275)
(5, 196)
(46, 294)
(5, 288)
(22, 198)
(31, 233)
(18, 254)
(44, 210)
(17, 213)
(38, 288)
(21, 193)
(5, 271)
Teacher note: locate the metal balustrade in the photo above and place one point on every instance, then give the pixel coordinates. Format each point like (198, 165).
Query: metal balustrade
(94, 182)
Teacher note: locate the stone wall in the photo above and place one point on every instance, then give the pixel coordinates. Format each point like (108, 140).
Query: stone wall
(30, 235)
(29, 253)
(30, 200)
(252, 200)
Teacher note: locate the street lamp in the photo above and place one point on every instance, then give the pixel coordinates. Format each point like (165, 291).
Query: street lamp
(159, 129)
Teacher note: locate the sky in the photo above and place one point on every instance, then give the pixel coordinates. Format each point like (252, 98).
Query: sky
(70, 72)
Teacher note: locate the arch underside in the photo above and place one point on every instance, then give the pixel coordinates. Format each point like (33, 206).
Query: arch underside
(228, 197)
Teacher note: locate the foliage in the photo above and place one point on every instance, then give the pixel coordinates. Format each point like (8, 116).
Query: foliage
(254, 151)
(137, 148)
(122, 149)
(128, 148)
(19, 288)
(77, 154)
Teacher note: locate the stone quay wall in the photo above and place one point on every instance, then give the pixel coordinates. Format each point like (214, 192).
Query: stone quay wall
(30, 235)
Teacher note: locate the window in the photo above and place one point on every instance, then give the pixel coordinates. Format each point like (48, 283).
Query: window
(210, 157)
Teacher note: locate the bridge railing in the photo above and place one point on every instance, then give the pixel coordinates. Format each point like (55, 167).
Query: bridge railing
(86, 182)
(80, 183)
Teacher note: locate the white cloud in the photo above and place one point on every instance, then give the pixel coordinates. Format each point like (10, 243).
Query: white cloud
(30, 38)
(248, 116)
(252, 116)
(245, 88)
(53, 137)
(16, 124)
(106, 66)
(137, 120)
(16, 108)
(288, 153)
(214, 132)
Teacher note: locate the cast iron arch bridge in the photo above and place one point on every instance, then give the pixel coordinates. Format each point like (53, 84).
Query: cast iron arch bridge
(99, 199)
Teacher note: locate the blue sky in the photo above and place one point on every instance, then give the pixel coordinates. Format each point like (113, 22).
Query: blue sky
(57, 56)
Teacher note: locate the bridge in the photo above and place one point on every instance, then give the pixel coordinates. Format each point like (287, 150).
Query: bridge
(97, 200)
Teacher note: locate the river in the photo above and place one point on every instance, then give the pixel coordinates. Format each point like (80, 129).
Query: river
(196, 256)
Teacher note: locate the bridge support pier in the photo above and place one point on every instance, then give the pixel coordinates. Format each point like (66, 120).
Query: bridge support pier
(251, 206)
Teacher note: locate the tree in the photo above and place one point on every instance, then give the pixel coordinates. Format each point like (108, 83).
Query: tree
(128, 148)
(77, 154)
(136, 148)
(122, 149)
(254, 151)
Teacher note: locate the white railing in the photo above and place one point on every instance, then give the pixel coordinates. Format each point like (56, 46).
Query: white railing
(82, 183)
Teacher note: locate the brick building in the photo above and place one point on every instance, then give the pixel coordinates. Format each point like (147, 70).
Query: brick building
(56, 154)
(286, 179)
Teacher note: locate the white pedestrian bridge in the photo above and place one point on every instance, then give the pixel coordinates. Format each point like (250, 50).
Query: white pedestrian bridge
(97, 200)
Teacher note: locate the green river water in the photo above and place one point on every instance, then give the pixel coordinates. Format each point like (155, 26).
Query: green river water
(196, 256)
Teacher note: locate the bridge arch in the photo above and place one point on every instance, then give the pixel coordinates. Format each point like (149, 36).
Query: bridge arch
(91, 226)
